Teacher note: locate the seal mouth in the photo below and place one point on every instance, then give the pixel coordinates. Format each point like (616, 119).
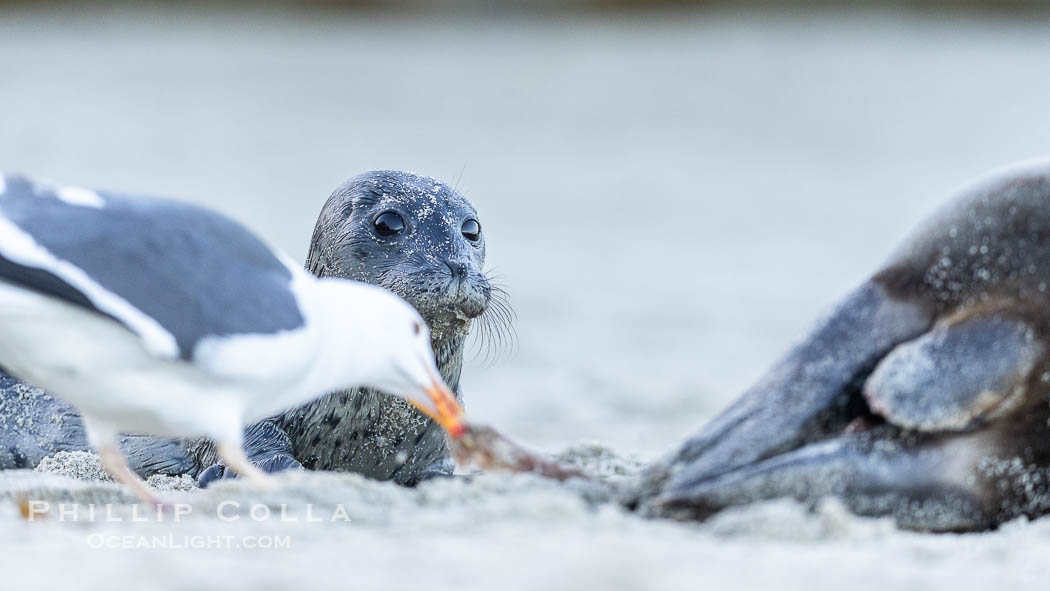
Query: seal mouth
(465, 310)
(452, 308)
(465, 300)
(452, 319)
(465, 297)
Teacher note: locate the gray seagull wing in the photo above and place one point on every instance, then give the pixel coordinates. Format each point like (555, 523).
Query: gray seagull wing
(172, 272)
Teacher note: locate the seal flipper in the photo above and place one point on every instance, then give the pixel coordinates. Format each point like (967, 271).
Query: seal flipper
(34, 424)
(923, 483)
(806, 395)
(440, 468)
(148, 455)
(956, 376)
(926, 467)
(266, 445)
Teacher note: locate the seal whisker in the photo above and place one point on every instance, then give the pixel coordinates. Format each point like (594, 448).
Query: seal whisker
(460, 177)
(495, 335)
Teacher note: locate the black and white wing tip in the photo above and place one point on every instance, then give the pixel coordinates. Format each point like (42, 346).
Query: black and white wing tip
(176, 274)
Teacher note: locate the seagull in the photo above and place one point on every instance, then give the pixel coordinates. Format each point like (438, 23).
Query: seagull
(157, 316)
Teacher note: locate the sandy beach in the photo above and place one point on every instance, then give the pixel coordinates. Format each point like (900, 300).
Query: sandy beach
(496, 531)
(670, 199)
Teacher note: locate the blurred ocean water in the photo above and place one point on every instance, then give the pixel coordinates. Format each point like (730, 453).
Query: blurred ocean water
(670, 198)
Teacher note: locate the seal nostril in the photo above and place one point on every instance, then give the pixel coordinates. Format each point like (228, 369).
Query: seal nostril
(458, 270)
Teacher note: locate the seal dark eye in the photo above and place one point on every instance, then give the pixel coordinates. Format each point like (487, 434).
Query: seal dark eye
(389, 223)
(471, 230)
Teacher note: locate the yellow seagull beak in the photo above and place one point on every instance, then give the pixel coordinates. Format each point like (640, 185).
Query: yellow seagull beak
(445, 410)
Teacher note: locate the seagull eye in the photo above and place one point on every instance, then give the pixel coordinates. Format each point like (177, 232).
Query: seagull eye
(471, 230)
(389, 223)
(417, 328)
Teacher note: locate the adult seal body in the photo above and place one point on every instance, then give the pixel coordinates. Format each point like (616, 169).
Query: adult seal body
(924, 395)
(411, 234)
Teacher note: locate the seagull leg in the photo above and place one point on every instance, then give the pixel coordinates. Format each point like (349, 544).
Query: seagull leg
(233, 455)
(117, 465)
(104, 439)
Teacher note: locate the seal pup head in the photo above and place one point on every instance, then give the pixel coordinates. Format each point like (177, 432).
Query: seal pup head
(417, 237)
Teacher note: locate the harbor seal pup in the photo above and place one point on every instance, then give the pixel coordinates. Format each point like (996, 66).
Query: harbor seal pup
(411, 234)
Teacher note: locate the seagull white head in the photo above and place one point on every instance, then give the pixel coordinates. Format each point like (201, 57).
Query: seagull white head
(378, 340)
